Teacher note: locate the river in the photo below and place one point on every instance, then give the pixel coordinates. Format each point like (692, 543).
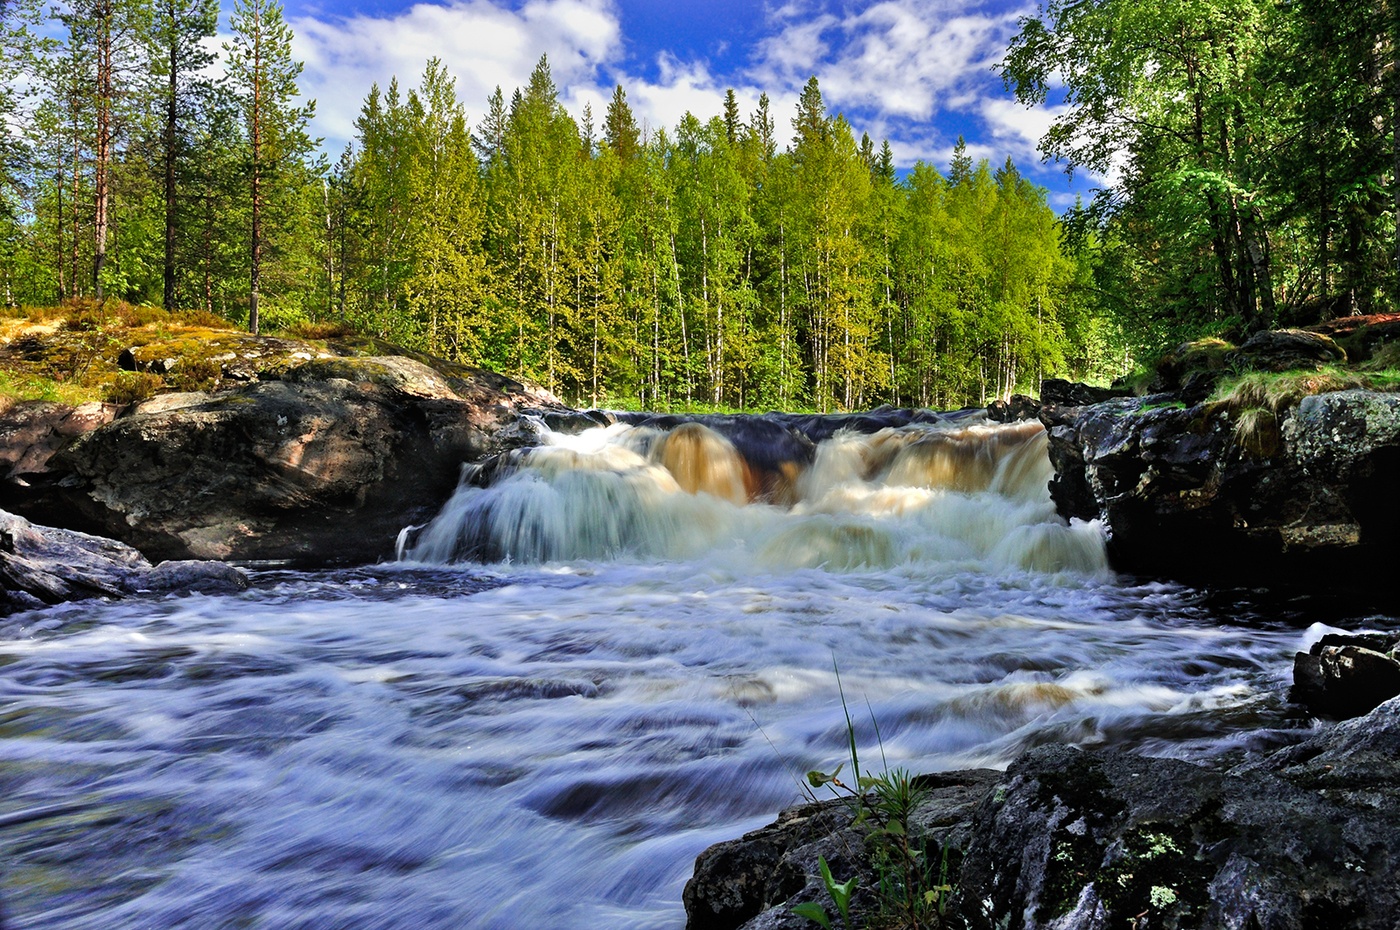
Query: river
(584, 673)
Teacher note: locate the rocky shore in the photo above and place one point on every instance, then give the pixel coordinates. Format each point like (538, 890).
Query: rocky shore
(1303, 837)
(319, 458)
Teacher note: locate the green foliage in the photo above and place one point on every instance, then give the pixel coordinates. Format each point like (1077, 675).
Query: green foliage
(1250, 149)
(913, 880)
(132, 387)
(700, 267)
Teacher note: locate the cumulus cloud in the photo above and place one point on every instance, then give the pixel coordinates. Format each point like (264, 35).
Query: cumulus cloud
(916, 72)
(896, 59)
(481, 43)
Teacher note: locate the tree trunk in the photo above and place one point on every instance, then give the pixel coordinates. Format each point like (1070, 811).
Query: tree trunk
(255, 138)
(172, 114)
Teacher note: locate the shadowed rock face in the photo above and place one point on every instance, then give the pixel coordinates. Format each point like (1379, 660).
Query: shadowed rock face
(1185, 492)
(323, 466)
(1303, 837)
(1347, 674)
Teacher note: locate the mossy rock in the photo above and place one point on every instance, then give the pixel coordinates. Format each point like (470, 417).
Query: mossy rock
(396, 373)
(1201, 356)
(1287, 350)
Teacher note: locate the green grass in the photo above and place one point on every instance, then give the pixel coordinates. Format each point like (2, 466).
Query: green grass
(16, 387)
(1277, 392)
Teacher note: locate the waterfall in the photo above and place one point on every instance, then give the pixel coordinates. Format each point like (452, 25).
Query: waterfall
(753, 494)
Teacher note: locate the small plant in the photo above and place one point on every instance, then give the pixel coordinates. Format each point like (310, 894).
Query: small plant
(132, 387)
(913, 881)
(196, 374)
(840, 893)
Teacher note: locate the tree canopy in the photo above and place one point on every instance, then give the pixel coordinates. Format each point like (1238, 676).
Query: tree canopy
(706, 263)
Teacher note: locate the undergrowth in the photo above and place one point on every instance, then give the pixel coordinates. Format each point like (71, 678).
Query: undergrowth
(1258, 400)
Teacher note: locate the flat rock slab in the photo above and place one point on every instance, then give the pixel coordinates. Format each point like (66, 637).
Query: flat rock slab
(42, 565)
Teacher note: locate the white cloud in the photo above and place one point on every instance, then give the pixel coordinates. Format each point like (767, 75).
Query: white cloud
(1018, 129)
(896, 59)
(681, 87)
(480, 43)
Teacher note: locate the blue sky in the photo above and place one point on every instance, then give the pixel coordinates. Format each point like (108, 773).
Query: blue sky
(918, 72)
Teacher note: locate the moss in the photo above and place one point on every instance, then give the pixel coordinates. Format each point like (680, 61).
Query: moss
(1278, 392)
(17, 386)
(1154, 871)
(1257, 433)
(1166, 405)
(131, 387)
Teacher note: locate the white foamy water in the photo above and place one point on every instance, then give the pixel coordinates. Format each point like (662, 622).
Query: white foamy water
(549, 741)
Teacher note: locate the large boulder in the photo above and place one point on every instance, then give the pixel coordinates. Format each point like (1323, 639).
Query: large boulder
(1347, 674)
(1302, 837)
(323, 466)
(1204, 492)
(41, 565)
(32, 431)
(1306, 837)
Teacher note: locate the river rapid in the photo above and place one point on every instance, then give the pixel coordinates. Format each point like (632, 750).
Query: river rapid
(628, 645)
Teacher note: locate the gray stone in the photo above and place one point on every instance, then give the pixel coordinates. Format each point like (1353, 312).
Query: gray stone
(42, 565)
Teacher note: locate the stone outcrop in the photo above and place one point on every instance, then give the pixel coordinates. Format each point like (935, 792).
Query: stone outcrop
(32, 431)
(42, 565)
(754, 882)
(322, 465)
(1347, 674)
(1304, 837)
(1201, 492)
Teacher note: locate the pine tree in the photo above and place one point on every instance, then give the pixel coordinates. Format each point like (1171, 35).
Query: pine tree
(179, 54)
(620, 131)
(263, 77)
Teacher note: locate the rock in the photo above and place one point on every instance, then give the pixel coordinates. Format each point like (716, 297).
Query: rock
(42, 565)
(1019, 407)
(1286, 349)
(192, 576)
(754, 882)
(1194, 492)
(1303, 837)
(1206, 359)
(1062, 393)
(32, 431)
(1347, 675)
(1362, 336)
(323, 466)
(1307, 837)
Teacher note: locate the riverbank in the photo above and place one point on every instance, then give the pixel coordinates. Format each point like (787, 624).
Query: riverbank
(319, 454)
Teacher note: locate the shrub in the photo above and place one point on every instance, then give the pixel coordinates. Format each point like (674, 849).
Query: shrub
(132, 387)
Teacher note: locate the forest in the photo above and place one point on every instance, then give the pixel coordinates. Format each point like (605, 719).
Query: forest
(735, 260)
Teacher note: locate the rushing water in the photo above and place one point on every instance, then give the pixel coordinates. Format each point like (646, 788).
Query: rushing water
(644, 667)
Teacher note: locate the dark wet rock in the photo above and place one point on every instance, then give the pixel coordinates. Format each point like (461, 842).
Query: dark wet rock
(323, 466)
(1197, 492)
(1286, 350)
(754, 882)
(1347, 675)
(42, 565)
(1018, 408)
(1298, 838)
(573, 422)
(194, 576)
(1076, 839)
(1062, 393)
